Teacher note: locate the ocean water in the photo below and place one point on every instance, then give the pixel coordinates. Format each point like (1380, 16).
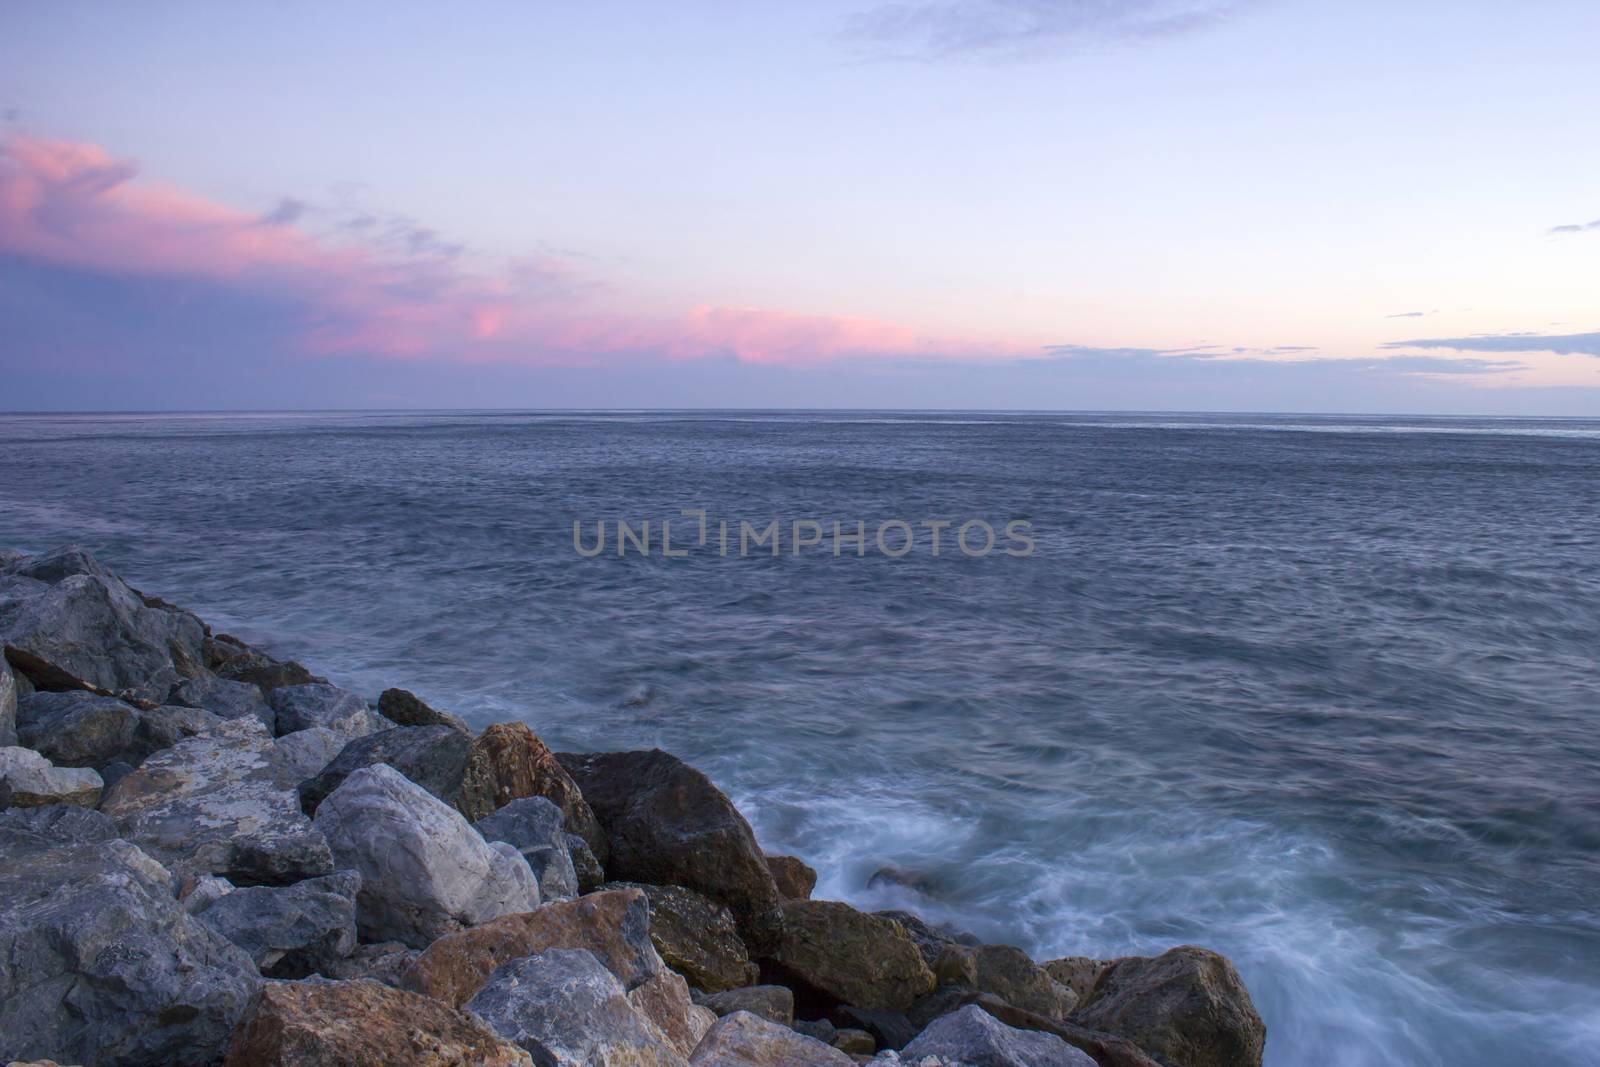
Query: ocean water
(1319, 693)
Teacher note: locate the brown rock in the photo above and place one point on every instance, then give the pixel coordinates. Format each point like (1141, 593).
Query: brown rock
(230, 658)
(510, 762)
(404, 708)
(361, 1024)
(773, 1002)
(855, 958)
(855, 1042)
(696, 937)
(1009, 974)
(1187, 1005)
(614, 926)
(1077, 973)
(663, 998)
(795, 880)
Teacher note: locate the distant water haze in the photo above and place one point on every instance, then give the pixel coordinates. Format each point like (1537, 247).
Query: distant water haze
(1319, 693)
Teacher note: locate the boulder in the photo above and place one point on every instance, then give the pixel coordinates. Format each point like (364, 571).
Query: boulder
(199, 892)
(405, 709)
(508, 762)
(889, 1029)
(79, 729)
(383, 962)
(746, 1040)
(68, 623)
(974, 1038)
(362, 1024)
(233, 660)
(166, 725)
(1187, 1005)
(290, 931)
(663, 998)
(855, 1042)
(27, 780)
(305, 753)
(224, 698)
(8, 704)
(424, 871)
(434, 757)
(1009, 974)
(794, 879)
(612, 926)
(851, 957)
(531, 825)
(933, 941)
(99, 963)
(696, 937)
(590, 874)
(566, 1009)
(300, 707)
(1077, 973)
(773, 1002)
(668, 825)
(217, 803)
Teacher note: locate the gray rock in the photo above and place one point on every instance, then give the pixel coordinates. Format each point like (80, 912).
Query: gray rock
(224, 698)
(532, 825)
(591, 875)
(820, 1029)
(164, 726)
(27, 780)
(667, 824)
(772, 1002)
(79, 729)
(200, 892)
(305, 753)
(69, 624)
(384, 962)
(217, 803)
(8, 703)
(99, 963)
(973, 1037)
(300, 707)
(234, 660)
(567, 1010)
(292, 931)
(746, 1040)
(425, 871)
(434, 757)
(404, 708)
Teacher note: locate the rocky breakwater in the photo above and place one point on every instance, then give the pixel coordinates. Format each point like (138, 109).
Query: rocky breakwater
(211, 856)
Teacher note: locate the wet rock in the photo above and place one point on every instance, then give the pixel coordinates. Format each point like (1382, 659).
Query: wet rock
(300, 707)
(532, 825)
(292, 931)
(920, 882)
(668, 825)
(794, 879)
(509, 762)
(613, 926)
(383, 962)
(1077, 973)
(79, 729)
(566, 1009)
(590, 874)
(305, 753)
(68, 623)
(425, 872)
(696, 937)
(773, 1002)
(746, 1040)
(8, 704)
(27, 780)
(975, 1038)
(217, 803)
(234, 660)
(362, 1024)
(99, 963)
(224, 698)
(434, 757)
(1187, 1005)
(405, 709)
(852, 957)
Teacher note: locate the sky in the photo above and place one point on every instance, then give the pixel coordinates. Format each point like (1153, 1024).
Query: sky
(1235, 205)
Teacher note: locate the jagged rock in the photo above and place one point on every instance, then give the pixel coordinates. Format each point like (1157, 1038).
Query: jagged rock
(300, 707)
(794, 879)
(614, 926)
(663, 998)
(821, 1029)
(425, 872)
(565, 1008)
(1009, 974)
(362, 1024)
(199, 892)
(855, 1042)
(8, 704)
(27, 780)
(79, 729)
(668, 825)
(590, 874)
(975, 1038)
(746, 1040)
(1077, 973)
(696, 937)
(166, 725)
(224, 698)
(434, 757)
(68, 623)
(532, 825)
(99, 963)
(217, 803)
(305, 753)
(932, 941)
(509, 762)
(384, 962)
(855, 958)
(404, 709)
(773, 1002)
(231, 659)
(1187, 1005)
(290, 931)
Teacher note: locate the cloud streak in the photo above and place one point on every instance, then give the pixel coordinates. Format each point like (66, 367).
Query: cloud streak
(1566, 344)
(1573, 227)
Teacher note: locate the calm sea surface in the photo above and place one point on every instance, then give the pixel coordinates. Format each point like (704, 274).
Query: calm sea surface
(1319, 693)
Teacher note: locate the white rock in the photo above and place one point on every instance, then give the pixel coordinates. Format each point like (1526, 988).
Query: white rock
(27, 780)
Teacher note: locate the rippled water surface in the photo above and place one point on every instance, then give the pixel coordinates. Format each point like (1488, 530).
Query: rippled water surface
(1319, 693)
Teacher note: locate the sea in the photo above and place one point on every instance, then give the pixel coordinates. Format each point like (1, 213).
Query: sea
(1319, 693)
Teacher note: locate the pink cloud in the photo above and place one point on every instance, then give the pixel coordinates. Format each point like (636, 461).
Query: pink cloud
(74, 205)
